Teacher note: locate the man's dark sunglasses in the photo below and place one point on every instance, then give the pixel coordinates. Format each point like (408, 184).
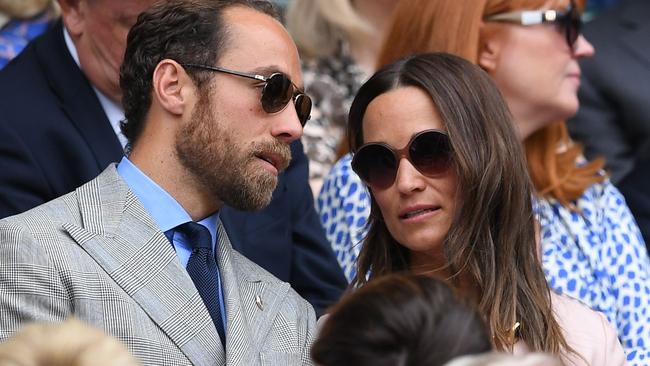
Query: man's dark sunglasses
(428, 151)
(278, 90)
(568, 21)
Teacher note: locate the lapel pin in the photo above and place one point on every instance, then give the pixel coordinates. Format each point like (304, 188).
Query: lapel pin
(258, 302)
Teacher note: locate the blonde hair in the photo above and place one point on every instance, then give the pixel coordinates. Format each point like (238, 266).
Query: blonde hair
(24, 9)
(453, 26)
(71, 343)
(317, 26)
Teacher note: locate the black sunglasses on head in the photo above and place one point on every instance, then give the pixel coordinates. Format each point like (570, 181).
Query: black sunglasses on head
(429, 151)
(567, 21)
(278, 90)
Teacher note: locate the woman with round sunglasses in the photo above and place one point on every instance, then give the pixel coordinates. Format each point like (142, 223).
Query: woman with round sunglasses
(433, 140)
(591, 246)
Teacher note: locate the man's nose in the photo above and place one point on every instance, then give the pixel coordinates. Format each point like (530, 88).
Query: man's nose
(287, 127)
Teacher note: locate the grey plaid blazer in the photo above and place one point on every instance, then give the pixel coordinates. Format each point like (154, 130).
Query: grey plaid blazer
(96, 254)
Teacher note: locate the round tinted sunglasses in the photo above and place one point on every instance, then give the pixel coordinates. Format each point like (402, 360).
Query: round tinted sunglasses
(278, 90)
(567, 21)
(429, 151)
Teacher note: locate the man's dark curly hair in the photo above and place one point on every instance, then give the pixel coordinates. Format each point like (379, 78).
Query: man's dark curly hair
(187, 31)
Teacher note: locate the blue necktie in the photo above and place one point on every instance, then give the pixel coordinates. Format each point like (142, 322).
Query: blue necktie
(203, 270)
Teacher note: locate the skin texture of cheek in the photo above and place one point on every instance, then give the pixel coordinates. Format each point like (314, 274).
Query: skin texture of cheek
(547, 95)
(422, 238)
(208, 149)
(102, 40)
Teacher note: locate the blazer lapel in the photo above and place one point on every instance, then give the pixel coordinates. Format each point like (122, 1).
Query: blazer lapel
(77, 98)
(124, 240)
(252, 303)
(636, 29)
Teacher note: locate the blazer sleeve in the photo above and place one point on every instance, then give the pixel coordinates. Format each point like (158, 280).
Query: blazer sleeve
(30, 287)
(312, 330)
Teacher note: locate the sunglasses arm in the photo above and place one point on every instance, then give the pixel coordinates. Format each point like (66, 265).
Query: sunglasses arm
(525, 17)
(227, 71)
(243, 74)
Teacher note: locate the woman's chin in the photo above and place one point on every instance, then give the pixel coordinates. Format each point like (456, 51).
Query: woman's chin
(568, 106)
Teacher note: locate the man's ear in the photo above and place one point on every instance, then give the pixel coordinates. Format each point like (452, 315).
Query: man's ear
(490, 42)
(73, 14)
(172, 86)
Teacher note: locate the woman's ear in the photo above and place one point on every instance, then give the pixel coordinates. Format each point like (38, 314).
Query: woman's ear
(490, 43)
(170, 84)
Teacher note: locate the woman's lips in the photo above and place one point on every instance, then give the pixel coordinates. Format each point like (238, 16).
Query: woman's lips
(414, 213)
(574, 75)
(574, 79)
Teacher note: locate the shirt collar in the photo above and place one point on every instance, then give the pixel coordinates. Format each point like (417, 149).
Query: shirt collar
(71, 47)
(163, 208)
(114, 113)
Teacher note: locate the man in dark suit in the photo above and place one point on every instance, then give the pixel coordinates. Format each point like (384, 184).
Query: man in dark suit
(59, 128)
(636, 189)
(614, 116)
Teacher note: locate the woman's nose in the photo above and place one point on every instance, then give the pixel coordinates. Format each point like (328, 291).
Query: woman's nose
(408, 179)
(582, 48)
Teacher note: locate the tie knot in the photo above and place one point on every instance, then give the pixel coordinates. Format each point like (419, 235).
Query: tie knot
(198, 235)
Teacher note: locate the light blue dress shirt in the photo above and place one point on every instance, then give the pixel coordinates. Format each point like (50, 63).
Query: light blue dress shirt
(168, 214)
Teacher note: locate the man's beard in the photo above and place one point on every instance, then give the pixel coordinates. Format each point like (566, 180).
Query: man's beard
(223, 165)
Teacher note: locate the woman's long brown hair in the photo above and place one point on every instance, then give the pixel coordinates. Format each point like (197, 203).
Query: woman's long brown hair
(491, 243)
(453, 26)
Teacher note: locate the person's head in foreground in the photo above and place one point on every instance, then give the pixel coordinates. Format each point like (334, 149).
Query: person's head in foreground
(504, 359)
(71, 343)
(433, 140)
(400, 319)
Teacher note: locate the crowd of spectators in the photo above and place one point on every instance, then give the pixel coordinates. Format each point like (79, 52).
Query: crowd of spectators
(327, 182)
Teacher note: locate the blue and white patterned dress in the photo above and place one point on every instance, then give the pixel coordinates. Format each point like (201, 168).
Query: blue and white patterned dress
(594, 254)
(344, 208)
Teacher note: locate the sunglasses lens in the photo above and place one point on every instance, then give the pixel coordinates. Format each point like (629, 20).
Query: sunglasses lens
(376, 165)
(431, 153)
(571, 24)
(303, 108)
(574, 28)
(276, 93)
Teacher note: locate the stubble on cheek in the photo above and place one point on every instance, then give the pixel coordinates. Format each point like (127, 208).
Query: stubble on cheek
(226, 164)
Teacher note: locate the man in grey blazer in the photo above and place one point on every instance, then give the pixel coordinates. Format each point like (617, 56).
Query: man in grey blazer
(211, 97)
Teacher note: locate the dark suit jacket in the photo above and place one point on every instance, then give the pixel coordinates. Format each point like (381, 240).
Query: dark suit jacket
(614, 116)
(54, 136)
(636, 189)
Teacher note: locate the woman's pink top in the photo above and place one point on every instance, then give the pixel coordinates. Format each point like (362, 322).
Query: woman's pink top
(588, 332)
